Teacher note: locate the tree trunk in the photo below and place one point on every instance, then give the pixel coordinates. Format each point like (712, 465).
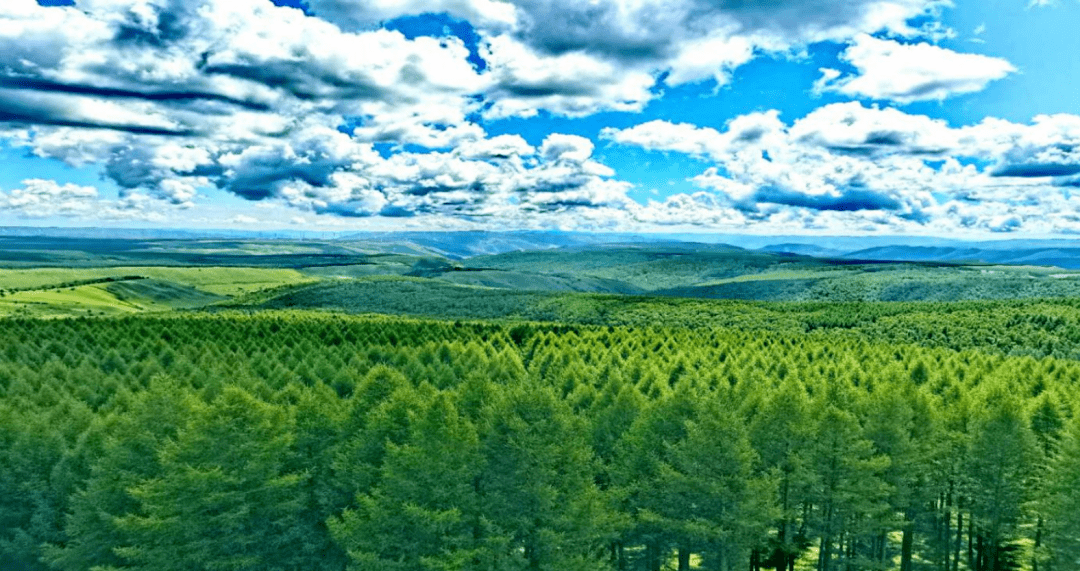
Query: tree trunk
(907, 542)
(971, 555)
(617, 559)
(532, 554)
(959, 536)
(655, 561)
(782, 532)
(849, 553)
(980, 561)
(802, 530)
(882, 548)
(1038, 544)
(825, 555)
(946, 531)
(684, 559)
(478, 523)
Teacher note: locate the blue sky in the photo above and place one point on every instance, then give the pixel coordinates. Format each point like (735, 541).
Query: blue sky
(875, 117)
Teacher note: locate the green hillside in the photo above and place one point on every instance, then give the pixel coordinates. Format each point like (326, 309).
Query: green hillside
(643, 267)
(1037, 327)
(892, 282)
(584, 409)
(731, 273)
(150, 293)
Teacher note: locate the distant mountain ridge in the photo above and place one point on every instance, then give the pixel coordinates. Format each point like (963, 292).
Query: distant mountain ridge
(466, 244)
(1067, 258)
(803, 250)
(460, 245)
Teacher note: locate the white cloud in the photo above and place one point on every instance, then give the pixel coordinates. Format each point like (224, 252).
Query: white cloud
(499, 147)
(574, 84)
(326, 172)
(40, 198)
(236, 69)
(365, 13)
(574, 58)
(659, 135)
(222, 75)
(852, 128)
(847, 166)
(890, 70)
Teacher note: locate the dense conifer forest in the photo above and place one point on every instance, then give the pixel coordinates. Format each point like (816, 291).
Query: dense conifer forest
(299, 440)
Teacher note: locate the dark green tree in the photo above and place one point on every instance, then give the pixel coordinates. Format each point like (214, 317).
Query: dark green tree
(537, 486)
(224, 499)
(1002, 457)
(1060, 501)
(426, 512)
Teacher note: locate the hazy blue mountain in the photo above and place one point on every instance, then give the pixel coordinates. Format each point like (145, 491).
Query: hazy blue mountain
(803, 250)
(470, 244)
(995, 253)
(458, 245)
(160, 233)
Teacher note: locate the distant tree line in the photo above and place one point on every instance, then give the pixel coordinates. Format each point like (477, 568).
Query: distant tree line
(73, 283)
(1033, 327)
(291, 441)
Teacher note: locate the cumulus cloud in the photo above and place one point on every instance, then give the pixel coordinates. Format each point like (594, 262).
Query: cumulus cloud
(533, 47)
(359, 14)
(572, 84)
(848, 162)
(235, 69)
(1049, 147)
(890, 70)
(325, 171)
(646, 29)
(40, 198)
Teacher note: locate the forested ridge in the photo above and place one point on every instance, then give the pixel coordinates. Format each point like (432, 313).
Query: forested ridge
(289, 441)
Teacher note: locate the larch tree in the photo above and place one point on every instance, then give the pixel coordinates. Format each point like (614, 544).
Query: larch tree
(426, 511)
(1060, 501)
(1002, 454)
(224, 499)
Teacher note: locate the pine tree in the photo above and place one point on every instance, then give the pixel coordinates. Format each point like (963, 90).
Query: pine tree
(426, 511)
(320, 415)
(1047, 424)
(643, 454)
(780, 430)
(1002, 455)
(1060, 501)
(902, 426)
(223, 499)
(714, 505)
(537, 484)
(849, 491)
(129, 455)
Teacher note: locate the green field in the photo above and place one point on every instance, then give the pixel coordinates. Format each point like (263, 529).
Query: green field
(54, 291)
(220, 280)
